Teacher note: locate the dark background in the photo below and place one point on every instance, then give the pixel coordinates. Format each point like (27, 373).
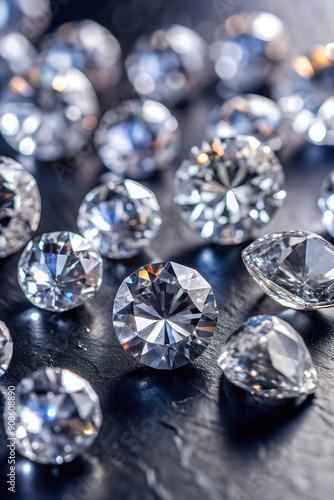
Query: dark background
(185, 434)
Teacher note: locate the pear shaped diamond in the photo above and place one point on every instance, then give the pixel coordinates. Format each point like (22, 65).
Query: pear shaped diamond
(267, 357)
(295, 268)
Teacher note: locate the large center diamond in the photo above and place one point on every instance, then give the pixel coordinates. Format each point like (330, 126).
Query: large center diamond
(165, 315)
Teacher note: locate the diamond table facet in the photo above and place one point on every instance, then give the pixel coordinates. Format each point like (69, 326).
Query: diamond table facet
(165, 315)
(267, 357)
(229, 188)
(6, 348)
(58, 416)
(295, 268)
(59, 271)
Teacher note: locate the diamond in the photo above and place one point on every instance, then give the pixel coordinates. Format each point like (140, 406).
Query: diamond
(17, 55)
(168, 65)
(326, 203)
(59, 271)
(48, 113)
(87, 46)
(267, 357)
(58, 416)
(247, 115)
(6, 348)
(295, 268)
(230, 187)
(29, 17)
(165, 315)
(120, 218)
(20, 206)
(137, 138)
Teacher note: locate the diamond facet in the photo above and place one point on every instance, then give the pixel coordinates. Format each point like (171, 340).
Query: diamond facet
(247, 115)
(165, 315)
(48, 113)
(229, 188)
(326, 203)
(295, 268)
(137, 138)
(58, 416)
(267, 357)
(120, 218)
(59, 271)
(20, 206)
(168, 65)
(6, 348)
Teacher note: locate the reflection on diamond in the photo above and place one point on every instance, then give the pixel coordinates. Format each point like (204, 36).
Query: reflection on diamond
(29, 17)
(165, 315)
(326, 203)
(229, 188)
(267, 357)
(295, 268)
(58, 416)
(6, 348)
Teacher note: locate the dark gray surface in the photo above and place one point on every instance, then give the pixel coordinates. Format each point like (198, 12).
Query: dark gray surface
(184, 434)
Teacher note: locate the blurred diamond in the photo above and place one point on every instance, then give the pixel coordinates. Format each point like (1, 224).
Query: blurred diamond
(326, 203)
(29, 17)
(295, 268)
(87, 46)
(58, 416)
(168, 65)
(6, 348)
(17, 55)
(120, 218)
(267, 357)
(247, 115)
(48, 114)
(20, 206)
(165, 315)
(59, 271)
(137, 138)
(229, 188)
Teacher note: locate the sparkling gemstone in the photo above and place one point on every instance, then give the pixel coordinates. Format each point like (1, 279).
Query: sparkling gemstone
(326, 203)
(120, 218)
(87, 46)
(29, 17)
(137, 138)
(247, 115)
(248, 50)
(58, 416)
(229, 188)
(20, 206)
(17, 55)
(267, 357)
(59, 271)
(169, 64)
(48, 113)
(165, 315)
(6, 348)
(295, 268)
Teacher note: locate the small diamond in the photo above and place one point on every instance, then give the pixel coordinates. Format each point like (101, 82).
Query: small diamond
(120, 218)
(326, 203)
(295, 268)
(137, 138)
(267, 357)
(48, 113)
(58, 416)
(87, 46)
(247, 115)
(20, 206)
(229, 188)
(59, 271)
(168, 65)
(6, 348)
(29, 17)
(165, 315)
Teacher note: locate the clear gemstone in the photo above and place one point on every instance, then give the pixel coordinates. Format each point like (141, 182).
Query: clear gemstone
(229, 188)
(20, 206)
(120, 218)
(48, 113)
(59, 271)
(17, 55)
(87, 46)
(58, 416)
(137, 138)
(168, 65)
(165, 315)
(267, 357)
(247, 115)
(295, 268)
(6, 348)
(326, 203)
(29, 17)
